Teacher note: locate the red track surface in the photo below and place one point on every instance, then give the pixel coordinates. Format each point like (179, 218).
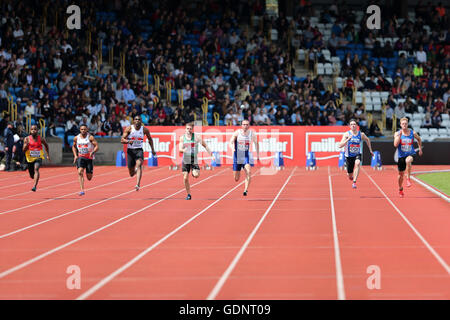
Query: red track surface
(276, 243)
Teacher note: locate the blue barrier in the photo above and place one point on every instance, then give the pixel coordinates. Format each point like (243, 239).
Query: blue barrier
(278, 161)
(215, 161)
(152, 160)
(120, 159)
(311, 160)
(341, 160)
(376, 160)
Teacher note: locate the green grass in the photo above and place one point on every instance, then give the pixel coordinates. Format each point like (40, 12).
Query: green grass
(439, 180)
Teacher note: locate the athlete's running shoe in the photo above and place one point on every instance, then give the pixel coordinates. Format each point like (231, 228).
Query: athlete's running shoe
(137, 187)
(33, 189)
(350, 177)
(188, 197)
(81, 193)
(245, 193)
(354, 185)
(400, 192)
(408, 183)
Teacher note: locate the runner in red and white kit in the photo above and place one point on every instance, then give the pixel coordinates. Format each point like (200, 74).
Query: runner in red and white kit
(84, 147)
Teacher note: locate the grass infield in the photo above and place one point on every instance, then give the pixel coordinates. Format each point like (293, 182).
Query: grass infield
(439, 180)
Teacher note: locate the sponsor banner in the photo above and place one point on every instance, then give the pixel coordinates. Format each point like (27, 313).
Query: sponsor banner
(293, 141)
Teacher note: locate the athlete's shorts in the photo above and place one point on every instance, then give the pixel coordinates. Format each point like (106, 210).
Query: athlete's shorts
(401, 164)
(239, 166)
(36, 164)
(133, 155)
(187, 167)
(350, 161)
(88, 164)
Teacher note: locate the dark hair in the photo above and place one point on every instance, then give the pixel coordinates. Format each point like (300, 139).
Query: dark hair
(353, 120)
(83, 125)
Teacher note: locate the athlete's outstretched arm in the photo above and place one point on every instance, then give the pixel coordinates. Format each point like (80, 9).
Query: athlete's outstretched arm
(25, 144)
(344, 140)
(419, 142)
(366, 138)
(150, 139)
(181, 147)
(44, 143)
(125, 139)
(232, 140)
(203, 143)
(396, 139)
(95, 143)
(74, 150)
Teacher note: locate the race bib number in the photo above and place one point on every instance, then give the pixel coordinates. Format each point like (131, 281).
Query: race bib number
(354, 148)
(35, 153)
(84, 150)
(243, 146)
(137, 143)
(406, 147)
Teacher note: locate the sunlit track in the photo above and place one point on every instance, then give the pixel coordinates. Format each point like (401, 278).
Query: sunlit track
(25, 174)
(56, 185)
(37, 258)
(297, 235)
(82, 208)
(65, 195)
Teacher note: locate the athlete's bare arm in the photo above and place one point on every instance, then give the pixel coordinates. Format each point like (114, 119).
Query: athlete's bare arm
(74, 149)
(203, 143)
(150, 139)
(397, 138)
(95, 144)
(124, 138)
(25, 144)
(181, 146)
(344, 140)
(44, 143)
(367, 140)
(419, 142)
(233, 139)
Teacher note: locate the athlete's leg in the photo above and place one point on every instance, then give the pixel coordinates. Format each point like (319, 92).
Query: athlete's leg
(37, 165)
(81, 178)
(248, 176)
(356, 170)
(186, 182)
(138, 173)
(409, 161)
(196, 173)
(237, 175)
(90, 170)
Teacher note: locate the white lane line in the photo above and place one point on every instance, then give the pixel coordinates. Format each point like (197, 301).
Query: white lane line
(45, 254)
(68, 194)
(435, 191)
(30, 181)
(337, 252)
(55, 185)
(82, 208)
(110, 277)
(226, 274)
(425, 242)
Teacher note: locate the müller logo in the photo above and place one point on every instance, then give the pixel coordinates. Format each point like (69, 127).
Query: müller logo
(326, 144)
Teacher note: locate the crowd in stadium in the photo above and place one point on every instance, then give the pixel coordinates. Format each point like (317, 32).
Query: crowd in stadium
(205, 51)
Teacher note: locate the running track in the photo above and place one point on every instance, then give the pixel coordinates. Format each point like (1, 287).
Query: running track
(297, 235)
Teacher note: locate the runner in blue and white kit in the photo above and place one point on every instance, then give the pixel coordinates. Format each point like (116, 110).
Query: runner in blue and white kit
(404, 142)
(240, 145)
(351, 140)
